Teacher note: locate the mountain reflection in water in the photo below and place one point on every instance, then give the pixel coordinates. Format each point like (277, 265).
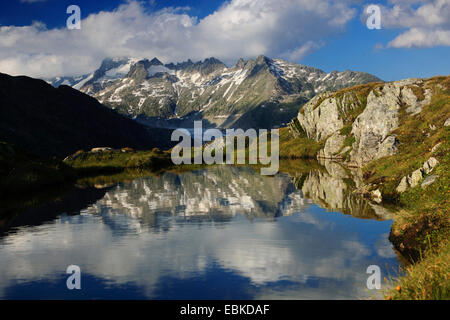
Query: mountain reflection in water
(219, 233)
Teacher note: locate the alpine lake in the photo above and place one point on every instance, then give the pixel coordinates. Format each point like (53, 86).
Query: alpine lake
(219, 232)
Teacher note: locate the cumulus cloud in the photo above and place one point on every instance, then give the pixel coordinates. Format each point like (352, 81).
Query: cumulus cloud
(240, 28)
(421, 38)
(424, 23)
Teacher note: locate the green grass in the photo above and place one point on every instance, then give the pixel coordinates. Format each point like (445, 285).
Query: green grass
(346, 130)
(427, 280)
(116, 161)
(421, 229)
(418, 92)
(416, 141)
(424, 220)
(298, 147)
(353, 100)
(107, 179)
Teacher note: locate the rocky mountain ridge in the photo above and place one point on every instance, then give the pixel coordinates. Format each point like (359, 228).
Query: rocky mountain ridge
(210, 90)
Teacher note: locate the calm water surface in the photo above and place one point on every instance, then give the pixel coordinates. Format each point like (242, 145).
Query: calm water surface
(219, 233)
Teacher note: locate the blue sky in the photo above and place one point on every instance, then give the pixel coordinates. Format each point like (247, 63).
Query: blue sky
(22, 13)
(414, 40)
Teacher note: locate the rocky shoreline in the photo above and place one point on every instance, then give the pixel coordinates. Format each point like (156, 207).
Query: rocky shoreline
(395, 134)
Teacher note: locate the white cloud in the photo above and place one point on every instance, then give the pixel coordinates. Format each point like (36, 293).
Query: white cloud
(424, 14)
(240, 28)
(298, 53)
(421, 38)
(424, 23)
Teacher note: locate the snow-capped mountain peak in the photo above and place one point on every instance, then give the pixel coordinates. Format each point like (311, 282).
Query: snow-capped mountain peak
(142, 87)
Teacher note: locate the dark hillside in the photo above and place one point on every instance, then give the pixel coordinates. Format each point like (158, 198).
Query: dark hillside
(59, 121)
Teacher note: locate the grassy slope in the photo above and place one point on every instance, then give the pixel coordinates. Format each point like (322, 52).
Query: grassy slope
(299, 147)
(421, 228)
(116, 161)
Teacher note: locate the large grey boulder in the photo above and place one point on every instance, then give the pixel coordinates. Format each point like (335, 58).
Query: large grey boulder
(387, 147)
(429, 180)
(436, 147)
(101, 149)
(403, 185)
(415, 177)
(447, 122)
(376, 196)
(430, 164)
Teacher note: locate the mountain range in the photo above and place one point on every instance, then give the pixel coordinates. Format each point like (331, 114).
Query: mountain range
(262, 92)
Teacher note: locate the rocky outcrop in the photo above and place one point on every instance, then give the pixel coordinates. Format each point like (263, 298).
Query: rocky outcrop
(368, 117)
(295, 128)
(320, 117)
(413, 102)
(447, 122)
(436, 147)
(97, 150)
(101, 149)
(376, 196)
(429, 180)
(415, 177)
(403, 185)
(429, 165)
(373, 126)
(333, 147)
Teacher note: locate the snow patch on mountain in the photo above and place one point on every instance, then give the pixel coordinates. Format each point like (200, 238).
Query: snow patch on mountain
(80, 84)
(159, 69)
(151, 88)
